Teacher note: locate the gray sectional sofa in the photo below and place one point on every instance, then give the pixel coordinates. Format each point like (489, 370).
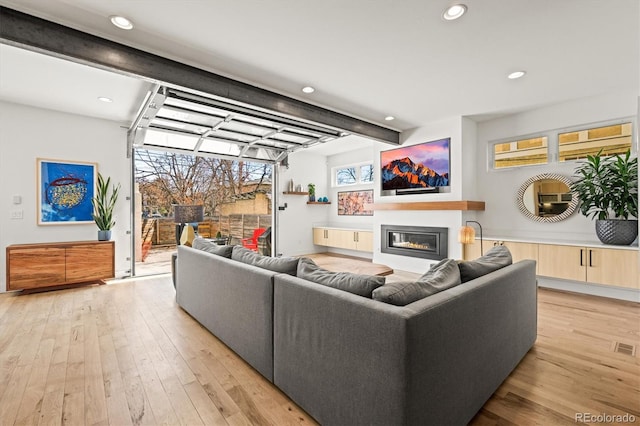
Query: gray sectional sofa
(350, 360)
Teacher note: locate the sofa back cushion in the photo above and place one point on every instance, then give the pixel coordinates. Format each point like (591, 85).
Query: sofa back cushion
(362, 285)
(441, 276)
(211, 247)
(497, 257)
(285, 265)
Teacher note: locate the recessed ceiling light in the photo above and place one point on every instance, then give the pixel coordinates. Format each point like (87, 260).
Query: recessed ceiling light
(454, 12)
(121, 22)
(105, 99)
(308, 89)
(389, 118)
(516, 74)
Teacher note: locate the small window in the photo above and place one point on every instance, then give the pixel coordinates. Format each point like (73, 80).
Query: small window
(346, 176)
(366, 173)
(523, 152)
(353, 174)
(611, 140)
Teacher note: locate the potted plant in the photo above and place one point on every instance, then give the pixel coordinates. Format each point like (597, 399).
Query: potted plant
(608, 190)
(312, 192)
(103, 205)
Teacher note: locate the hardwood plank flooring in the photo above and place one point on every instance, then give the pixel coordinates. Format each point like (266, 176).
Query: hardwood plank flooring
(126, 354)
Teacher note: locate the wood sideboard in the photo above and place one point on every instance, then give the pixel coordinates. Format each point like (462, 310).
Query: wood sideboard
(43, 265)
(590, 263)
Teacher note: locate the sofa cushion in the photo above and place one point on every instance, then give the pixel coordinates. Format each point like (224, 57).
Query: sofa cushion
(497, 257)
(441, 276)
(362, 285)
(285, 265)
(211, 247)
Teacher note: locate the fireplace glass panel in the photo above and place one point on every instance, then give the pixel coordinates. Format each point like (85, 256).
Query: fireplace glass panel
(414, 241)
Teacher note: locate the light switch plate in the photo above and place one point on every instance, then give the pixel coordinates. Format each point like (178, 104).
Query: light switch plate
(16, 214)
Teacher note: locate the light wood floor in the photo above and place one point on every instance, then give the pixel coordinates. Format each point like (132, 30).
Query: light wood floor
(125, 354)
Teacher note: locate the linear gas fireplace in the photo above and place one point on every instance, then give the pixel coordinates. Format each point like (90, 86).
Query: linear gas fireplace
(416, 241)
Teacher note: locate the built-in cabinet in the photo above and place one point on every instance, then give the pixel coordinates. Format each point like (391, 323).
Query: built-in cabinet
(598, 265)
(35, 266)
(349, 239)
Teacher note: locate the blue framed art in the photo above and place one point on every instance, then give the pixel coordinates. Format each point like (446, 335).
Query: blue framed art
(65, 190)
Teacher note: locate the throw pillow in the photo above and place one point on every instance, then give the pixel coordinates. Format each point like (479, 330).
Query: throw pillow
(285, 265)
(211, 247)
(441, 276)
(497, 257)
(362, 285)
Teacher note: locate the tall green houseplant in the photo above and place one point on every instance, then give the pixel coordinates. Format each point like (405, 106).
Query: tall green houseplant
(608, 191)
(103, 204)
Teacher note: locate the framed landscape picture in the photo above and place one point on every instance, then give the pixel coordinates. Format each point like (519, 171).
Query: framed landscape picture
(65, 190)
(351, 203)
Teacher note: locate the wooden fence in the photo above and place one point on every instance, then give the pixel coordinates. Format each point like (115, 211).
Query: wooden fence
(162, 231)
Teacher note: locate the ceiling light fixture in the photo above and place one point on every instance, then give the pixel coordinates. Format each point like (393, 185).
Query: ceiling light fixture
(308, 89)
(454, 12)
(105, 99)
(516, 74)
(389, 118)
(121, 22)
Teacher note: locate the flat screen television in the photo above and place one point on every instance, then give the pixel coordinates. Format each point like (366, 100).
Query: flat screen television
(417, 168)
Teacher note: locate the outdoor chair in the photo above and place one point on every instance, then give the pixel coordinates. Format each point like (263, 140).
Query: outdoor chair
(252, 242)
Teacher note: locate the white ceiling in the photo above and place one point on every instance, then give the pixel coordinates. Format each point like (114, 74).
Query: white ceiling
(367, 58)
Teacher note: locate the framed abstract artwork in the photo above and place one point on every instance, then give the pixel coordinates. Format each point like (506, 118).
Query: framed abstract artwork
(65, 190)
(351, 203)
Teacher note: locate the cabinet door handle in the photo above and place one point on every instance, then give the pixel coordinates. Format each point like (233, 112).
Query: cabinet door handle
(590, 258)
(495, 243)
(581, 252)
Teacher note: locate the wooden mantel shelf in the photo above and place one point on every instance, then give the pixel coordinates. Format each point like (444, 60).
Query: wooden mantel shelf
(428, 205)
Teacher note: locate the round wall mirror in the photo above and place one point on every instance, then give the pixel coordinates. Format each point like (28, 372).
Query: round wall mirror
(547, 198)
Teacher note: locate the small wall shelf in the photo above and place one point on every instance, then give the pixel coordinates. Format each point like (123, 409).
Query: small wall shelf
(295, 193)
(428, 205)
(318, 202)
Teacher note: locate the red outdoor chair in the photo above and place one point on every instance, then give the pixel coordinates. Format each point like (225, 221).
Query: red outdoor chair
(252, 243)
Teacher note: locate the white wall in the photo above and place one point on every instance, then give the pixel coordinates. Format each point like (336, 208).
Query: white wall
(28, 133)
(295, 236)
(449, 128)
(498, 188)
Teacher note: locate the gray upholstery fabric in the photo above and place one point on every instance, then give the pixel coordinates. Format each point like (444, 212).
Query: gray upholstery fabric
(234, 301)
(361, 285)
(348, 360)
(442, 275)
(285, 265)
(497, 257)
(211, 247)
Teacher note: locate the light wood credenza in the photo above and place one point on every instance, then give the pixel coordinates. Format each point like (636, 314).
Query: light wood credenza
(582, 262)
(44, 265)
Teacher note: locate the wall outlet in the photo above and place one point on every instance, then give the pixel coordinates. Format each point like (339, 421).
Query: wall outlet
(16, 214)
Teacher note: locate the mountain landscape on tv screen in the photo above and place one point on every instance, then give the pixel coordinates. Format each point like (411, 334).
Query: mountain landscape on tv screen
(404, 173)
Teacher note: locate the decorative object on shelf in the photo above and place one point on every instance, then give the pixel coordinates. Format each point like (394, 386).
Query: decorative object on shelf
(184, 216)
(290, 187)
(547, 197)
(312, 192)
(299, 188)
(352, 203)
(103, 204)
(65, 190)
(608, 190)
(467, 235)
(324, 200)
